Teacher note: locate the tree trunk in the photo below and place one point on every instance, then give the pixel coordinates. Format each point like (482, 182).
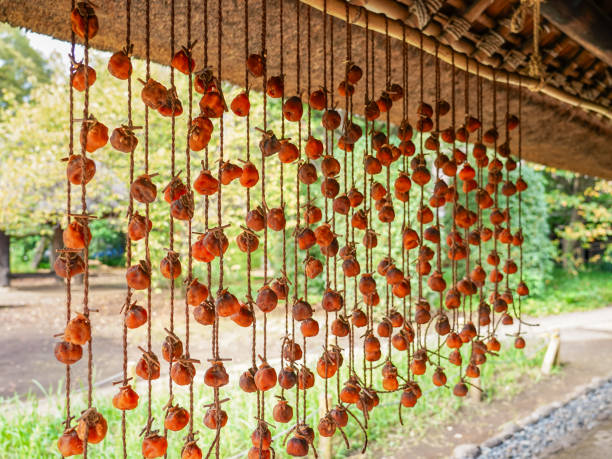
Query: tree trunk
(568, 246)
(56, 244)
(5, 259)
(39, 252)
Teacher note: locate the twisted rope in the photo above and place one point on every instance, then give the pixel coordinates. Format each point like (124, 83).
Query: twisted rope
(517, 22)
(424, 10)
(457, 27)
(128, 241)
(490, 43)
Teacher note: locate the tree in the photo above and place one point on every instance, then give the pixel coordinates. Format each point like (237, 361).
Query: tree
(22, 67)
(580, 217)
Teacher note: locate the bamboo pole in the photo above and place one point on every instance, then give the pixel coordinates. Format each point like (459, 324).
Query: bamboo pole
(397, 13)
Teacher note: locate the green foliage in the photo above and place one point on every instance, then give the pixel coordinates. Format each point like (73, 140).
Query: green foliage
(108, 245)
(567, 292)
(538, 250)
(29, 428)
(22, 254)
(580, 216)
(21, 69)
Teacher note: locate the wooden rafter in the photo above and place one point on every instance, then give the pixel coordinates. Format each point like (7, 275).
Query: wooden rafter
(399, 14)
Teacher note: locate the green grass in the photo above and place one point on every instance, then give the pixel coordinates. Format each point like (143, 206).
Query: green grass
(30, 427)
(589, 289)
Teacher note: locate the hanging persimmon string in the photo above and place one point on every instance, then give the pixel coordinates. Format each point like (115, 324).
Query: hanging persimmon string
(403, 339)
(172, 340)
(68, 218)
(386, 213)
(343, 204)
(371, 294)
(216, 356)
(293, 372)
(85, 223)
(364, 218)
(189, 281)
(344, 143)
(150, 369)
(126, 389)
(508, 189)
(69, 433)
(423, 176)
(521, 186)
(495, 221)
(330, 182)
(280, 284)
(484, 231)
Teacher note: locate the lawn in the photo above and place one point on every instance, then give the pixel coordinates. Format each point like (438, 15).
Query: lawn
(589, 289)
(29, 428)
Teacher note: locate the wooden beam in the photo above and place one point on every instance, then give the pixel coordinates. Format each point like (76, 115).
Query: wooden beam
(337, 8)
(584, 22)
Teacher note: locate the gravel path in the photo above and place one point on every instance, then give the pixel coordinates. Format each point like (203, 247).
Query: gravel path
(559, 429)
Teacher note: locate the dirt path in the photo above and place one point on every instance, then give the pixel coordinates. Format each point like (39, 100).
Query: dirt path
(32, 311)
(586, 344)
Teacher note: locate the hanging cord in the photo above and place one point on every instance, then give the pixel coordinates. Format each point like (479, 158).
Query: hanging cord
(421, 160)
(146, 167)
(439, 243)
(332, 142)
(517, 22)
(406, 312)
(479, 115)
(68, 284)
(467, 319)
(467, 298)
(309, 123)
(520, 197)
(171, 218)
(297, 180)
(388, 300)
(248, 191)
(86, 224)
(455, 324)
(128, 241)
(264, 20)
(220, 225)
(328, 151)
(496, 287)
(347, 24)
(370, 227)
(282, 169)
(455, 321)
(508, 171)
(349, 103)
(366, 198)
(189, 223)
(249, 296)
(206, 161)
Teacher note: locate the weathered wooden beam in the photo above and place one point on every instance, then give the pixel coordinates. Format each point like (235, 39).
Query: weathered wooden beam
(584, 22)
(337, 8)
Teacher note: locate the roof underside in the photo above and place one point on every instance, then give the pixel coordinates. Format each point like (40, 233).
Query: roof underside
(554, 134)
